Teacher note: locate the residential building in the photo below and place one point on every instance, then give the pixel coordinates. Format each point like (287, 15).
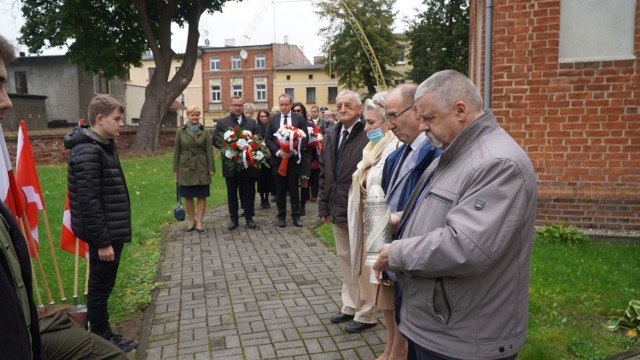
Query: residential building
(49, 91)
(563, 79)
(246, 71)
(308, 84)
(139, 79)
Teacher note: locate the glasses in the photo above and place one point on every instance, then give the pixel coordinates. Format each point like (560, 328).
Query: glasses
(297, 110)
(394, 117)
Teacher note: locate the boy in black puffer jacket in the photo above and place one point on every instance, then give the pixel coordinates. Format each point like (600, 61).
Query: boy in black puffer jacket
(99, 204)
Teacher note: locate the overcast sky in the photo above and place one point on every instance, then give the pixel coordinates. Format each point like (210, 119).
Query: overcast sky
(293, 18)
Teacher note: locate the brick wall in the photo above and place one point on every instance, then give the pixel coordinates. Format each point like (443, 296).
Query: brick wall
(579, 122)
(48, 147)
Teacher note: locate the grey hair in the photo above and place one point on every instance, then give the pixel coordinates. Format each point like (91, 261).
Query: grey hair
(249, 106)
(449, 86)
(407, 93)
(350, 92)
(376, 103)
(432, 139)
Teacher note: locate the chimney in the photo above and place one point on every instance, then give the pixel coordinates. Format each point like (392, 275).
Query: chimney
(229, 42)
(286, 39)
(21, 53)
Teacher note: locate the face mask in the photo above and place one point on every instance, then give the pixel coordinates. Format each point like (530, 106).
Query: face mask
(375, 135)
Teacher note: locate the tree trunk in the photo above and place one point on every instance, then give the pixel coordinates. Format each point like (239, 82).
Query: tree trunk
(152, 116)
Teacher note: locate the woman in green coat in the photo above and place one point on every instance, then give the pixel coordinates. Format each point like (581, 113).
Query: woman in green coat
(193, 166)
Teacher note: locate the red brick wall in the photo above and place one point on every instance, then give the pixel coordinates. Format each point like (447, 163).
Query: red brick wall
(579, 122)
(48, 147)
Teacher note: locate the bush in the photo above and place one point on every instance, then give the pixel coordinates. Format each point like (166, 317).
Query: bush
(560, 234)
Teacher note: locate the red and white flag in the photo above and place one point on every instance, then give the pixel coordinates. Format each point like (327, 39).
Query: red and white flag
(27, 179)
(67, 237)
(11, 193)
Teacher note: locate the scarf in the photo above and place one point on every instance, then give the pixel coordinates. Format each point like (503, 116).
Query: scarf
(193, 127)
(370, 156)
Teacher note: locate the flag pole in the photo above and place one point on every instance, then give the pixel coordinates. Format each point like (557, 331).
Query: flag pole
(53, 255)
(75, 273)
(35, 286)
(29, 240)
(86, 281)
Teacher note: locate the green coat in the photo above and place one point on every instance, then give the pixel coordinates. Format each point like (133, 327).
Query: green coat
(193, 157)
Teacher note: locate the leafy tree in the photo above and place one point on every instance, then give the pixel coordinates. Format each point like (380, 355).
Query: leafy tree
(439, 39)
(346, 57)
(110, 36)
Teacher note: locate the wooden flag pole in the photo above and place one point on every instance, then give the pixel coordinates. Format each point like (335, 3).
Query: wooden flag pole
(53, 256)
(29, 239)
(35, 286)
(75, 273)
(86, 281)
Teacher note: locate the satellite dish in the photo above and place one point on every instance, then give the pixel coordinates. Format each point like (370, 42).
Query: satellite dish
(206, 42)
(243, 54)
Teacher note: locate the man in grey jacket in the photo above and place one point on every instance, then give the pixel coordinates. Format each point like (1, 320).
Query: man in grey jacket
(466, 232)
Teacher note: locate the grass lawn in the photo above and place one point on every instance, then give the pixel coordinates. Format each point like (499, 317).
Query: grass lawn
(152, 192)
(573, 292)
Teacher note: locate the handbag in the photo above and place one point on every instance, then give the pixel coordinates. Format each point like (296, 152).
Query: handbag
(178, 210)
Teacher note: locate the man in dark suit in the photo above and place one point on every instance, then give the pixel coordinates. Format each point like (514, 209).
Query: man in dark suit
(242, 181)
(288, 183)
(342, 150)
(405, 165)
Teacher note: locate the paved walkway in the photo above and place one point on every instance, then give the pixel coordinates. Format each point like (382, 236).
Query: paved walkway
(264, 293)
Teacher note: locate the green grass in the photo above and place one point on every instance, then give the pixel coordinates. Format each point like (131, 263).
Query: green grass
(152, 192)
(574, 291)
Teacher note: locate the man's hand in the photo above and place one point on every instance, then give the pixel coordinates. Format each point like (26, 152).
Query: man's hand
(107, 253)
(324, 218)
(286, 155)
(382, 264)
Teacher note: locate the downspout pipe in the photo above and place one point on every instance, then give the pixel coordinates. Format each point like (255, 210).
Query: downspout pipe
(488, 41)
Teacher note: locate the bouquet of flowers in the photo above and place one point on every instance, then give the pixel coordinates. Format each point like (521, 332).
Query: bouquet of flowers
(243, 149)
(315, 138)
(288, 138)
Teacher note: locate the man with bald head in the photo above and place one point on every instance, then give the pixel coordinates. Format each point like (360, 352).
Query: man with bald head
(464, 250)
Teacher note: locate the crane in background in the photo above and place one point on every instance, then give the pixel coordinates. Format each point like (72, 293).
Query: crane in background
(254, 23)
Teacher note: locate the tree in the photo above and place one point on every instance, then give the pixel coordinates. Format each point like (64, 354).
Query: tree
(439, 39)
(346, 57)
(110, 36)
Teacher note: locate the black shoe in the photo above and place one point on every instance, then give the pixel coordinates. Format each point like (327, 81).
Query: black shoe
(282, 223)
(250, 223)
(357, 327)
(340, 317)
(297, 222)
(233, 224)
(264, 204)
(122, 343)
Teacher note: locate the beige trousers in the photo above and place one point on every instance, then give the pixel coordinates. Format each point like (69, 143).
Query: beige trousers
(364, 311)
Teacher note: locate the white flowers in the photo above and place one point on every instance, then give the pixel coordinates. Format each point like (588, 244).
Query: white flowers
(258, 155)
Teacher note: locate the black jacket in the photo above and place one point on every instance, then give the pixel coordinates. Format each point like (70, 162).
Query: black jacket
(14, 339)
(229, 123)
(98, 197)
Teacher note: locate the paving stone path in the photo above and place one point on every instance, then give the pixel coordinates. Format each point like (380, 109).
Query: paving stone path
(264, 293)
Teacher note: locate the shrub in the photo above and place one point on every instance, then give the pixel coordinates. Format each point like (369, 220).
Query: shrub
(560, 234)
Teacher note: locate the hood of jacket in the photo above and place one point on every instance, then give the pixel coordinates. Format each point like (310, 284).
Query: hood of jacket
(81, 134)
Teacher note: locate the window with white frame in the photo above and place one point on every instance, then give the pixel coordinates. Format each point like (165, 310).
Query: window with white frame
(260, 93)
(261, 61)
(236, 62)
(214, 63)
(236, 87)
(215, 87)
(595, 30)
(311, 95)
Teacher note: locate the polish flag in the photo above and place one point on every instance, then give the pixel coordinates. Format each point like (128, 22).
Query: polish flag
(9, 193)
(27, 179)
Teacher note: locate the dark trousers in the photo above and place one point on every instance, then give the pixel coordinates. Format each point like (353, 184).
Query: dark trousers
(417, 352)
(102, 278)
(288, 184)
(246, 187)
(314, 182)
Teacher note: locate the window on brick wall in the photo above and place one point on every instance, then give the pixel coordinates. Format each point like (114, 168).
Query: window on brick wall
(216, 90)
(596, 30)
(236, 63)
(261, 61)
(260, 93)
(236, 87)
(214, 63)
